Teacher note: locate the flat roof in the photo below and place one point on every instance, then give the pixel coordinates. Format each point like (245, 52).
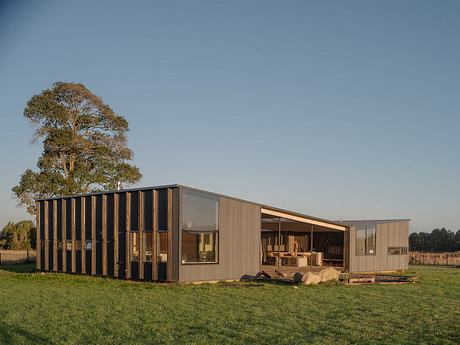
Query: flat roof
(263, 206)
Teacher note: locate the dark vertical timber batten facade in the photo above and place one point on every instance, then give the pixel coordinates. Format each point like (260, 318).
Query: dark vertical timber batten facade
(114, 234)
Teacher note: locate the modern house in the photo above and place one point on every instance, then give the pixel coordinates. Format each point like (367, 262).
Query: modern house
(181, 234)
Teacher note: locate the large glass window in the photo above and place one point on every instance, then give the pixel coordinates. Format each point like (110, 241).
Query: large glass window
(147, 246)
(135, 246)
(370, 240)
(162, 247)
(200, 220)
(365, 240)
(361, 241)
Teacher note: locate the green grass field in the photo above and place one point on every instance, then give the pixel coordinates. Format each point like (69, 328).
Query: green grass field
(64, 309)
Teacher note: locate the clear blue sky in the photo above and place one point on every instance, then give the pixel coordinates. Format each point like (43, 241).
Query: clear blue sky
(336, 109)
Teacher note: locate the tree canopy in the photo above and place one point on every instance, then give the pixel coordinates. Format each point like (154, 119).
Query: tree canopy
(18, 236)
(439, 240)
(84, 145)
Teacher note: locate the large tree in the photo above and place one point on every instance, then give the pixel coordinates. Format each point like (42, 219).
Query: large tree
(84, 145)
(18, 236)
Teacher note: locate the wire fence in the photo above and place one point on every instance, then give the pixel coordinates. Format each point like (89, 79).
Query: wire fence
(448, 259)
(8, 257)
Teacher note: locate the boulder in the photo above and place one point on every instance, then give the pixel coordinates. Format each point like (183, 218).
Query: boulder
(311, 279)
(329, 274)
(247, 278)
(297, 277)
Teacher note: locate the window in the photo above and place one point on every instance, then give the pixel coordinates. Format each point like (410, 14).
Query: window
(361, 241)
(59, 245)
(147, 247)
(370, 240)
(42, 244)
(69, 245)
(135, 246)
(88, 245)
(397, 250)
(162, 248)
(200, 233)
(199, 247)
(365, 240)
(77, 245)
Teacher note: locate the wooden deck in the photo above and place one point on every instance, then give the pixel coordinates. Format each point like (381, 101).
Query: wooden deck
(290, 270)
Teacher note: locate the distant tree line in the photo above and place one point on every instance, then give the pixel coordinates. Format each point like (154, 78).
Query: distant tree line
(438, 240)
(18, 236)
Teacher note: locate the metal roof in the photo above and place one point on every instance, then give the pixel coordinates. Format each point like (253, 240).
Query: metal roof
(198, 190)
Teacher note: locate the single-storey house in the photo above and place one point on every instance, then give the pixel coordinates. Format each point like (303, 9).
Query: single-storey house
(181, 234)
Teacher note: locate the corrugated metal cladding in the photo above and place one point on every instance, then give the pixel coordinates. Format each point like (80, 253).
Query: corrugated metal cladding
(90, 234)
(388, 234)
(239, 244)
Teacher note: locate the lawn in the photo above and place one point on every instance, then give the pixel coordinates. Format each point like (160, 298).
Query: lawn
(68, 309)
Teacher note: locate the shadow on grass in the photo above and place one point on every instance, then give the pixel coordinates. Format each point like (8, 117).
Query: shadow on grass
(19, 268)
(17, 335)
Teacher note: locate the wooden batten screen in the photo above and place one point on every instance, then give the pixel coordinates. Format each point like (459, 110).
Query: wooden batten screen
(128, 235)
(72, 236)
(39, 239)
(104, 235)
(46, 235)
(64, 234)
(174, 254)
(92, 234)
(141, 229)
(55, 236)
(83, 234)
(115, 234)
(155, 236)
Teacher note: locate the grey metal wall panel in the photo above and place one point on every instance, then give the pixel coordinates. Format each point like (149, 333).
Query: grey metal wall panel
(239, 244)
(395, 234)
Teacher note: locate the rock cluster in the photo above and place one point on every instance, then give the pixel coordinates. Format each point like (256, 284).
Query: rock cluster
(322, 276)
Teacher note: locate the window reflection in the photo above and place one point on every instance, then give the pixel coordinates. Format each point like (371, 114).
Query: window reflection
(365, 240)
(147, 246)
(135, 246)
(199, 227)
(162, 248)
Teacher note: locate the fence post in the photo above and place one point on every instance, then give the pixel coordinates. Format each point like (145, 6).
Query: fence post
(0, 258)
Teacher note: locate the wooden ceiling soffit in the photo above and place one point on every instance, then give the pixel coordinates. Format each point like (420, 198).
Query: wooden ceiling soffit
(303, 219)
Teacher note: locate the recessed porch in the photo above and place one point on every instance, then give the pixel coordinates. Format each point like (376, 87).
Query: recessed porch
(293, 243)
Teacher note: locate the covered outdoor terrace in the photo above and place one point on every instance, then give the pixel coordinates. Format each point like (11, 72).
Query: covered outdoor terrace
(297, 243)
